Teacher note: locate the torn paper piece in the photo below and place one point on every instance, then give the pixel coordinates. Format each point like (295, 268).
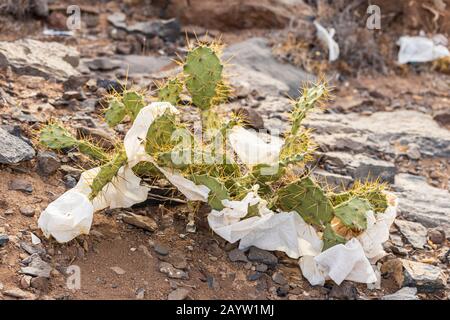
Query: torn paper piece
(286, 232)
(134, 140)
(420, 49)
(326, 37)
(346, 262)
(377, 231)
(253, 150)
(123, 191)
(67, 217)
(188, 188)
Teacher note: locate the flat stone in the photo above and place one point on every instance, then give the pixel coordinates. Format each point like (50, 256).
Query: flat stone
(27, 211)
(262, 256)
(344, 291)
(425, 277)
(47, 163)
(37, 268)
(118, 270)
(4, 239)
(139, 64)
(406, 293)
(178, 294)
(172, 272)
(414, 232)
(161, 249)
(256, 67)
(279, 278)
(45, 59)
(13, 149)
(254, 276)
(421, 202)
(139, 221)
(19, 294)
(237, 255)
(20, 185)
(260, 267)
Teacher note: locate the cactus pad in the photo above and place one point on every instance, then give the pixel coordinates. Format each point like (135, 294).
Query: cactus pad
(170, 91)
(352, 213)
(115, 113)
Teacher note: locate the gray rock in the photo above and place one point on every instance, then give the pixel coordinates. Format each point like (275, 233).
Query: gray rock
(172, 272)
(381, 132)
(279, 278)
(102, 64)
(13, 149)
(161, 249)
(40, 8)
(414, 232)
(406, 293)
(69, 181)
(20, 185)
(45, 59)
(140, 293)
(344, 291)
(425, 277)
(360, 166)
(4, 239)
(237, 255)
(139, 221)
(254, 276)
(178, 294)
(436, 235)
(48, 163)
(423, 203)
(261, 267)
(282, 291)
(139, 64)
(262, 256)
(40, 283)
(37, 268)
(256, 67)
(27, 211)
(251, 118)
(32, 249)
(19, 294)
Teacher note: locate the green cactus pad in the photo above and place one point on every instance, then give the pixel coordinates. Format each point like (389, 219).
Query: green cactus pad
(107, 173)
(170, 91)
(159, 135)
(133, 102)
(55, 137)
(331, 238)
(352, 213)
(218, 191)
(115, 113)
(146, 169)
(308, 199)
(204, 72)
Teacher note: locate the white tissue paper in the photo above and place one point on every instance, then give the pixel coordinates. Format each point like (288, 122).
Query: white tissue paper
(420, 49)
(282, 231)
(67, 217)
(253, 150)
(326, 37)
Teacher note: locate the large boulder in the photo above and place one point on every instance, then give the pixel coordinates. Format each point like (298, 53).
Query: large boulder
(50, 60)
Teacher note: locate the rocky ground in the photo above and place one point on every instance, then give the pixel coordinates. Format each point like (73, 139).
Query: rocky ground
(393, 125)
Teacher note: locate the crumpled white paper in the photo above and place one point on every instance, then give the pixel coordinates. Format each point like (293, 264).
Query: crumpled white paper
(420, 49)
(253, 150)
(67, 217)
(326, 37)
(352, 261)
(284, 231)
(70, 215)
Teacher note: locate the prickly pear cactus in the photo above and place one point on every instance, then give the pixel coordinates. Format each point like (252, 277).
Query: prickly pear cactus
(55, 137)
(170, 91)
(203, 71)
(133, 102)
(352, 213)
(159, 135)
(107, 173)
(115, 113)
(308, 199)
(331, 238)
(218, 191)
